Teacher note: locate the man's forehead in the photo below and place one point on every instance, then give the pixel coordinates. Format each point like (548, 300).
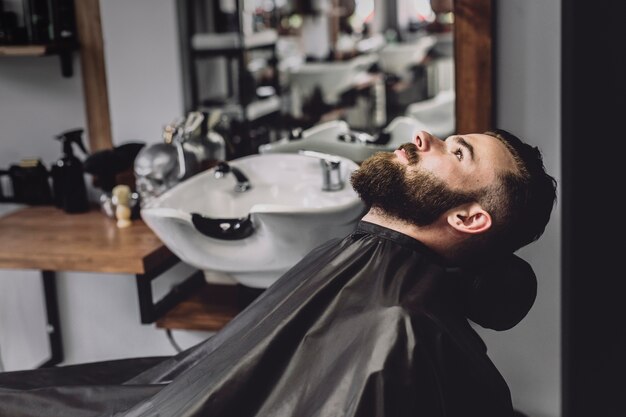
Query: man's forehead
(490, 150)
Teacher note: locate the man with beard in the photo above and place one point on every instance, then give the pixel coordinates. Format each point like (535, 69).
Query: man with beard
(468, 198)
(374, 324)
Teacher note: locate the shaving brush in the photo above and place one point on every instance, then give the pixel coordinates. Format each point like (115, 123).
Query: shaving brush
(121, 199)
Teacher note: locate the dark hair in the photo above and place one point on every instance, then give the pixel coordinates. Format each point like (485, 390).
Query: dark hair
(522, 200)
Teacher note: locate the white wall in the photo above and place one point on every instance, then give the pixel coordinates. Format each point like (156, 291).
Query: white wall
(143, 67)
(528, 104)
(36, 103)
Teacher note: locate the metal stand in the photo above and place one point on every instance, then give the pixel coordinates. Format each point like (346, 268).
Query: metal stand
(148, 309)
(53, 322)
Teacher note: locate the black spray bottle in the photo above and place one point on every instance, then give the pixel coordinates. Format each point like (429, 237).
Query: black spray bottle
(68, 180)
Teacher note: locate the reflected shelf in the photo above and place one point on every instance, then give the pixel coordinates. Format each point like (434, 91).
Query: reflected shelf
(63, 50)
(230, 41)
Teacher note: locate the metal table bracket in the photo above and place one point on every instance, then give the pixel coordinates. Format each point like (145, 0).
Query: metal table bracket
(53, 322)
(149, 310)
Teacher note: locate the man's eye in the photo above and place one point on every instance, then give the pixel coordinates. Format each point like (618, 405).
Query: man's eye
(459, 153)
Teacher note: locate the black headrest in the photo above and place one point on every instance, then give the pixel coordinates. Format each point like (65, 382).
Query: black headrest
(502, 293)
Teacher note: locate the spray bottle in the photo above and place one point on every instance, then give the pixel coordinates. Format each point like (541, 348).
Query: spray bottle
(68, 180)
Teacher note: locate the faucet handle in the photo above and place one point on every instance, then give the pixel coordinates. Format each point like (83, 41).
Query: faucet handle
(222, 168)
(191, 124)
(331, 173)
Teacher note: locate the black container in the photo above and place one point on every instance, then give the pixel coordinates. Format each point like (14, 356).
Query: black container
(42, 22)
(38, 21)
(11, 31)
(30, 183)
(68, 175)
(63, 20)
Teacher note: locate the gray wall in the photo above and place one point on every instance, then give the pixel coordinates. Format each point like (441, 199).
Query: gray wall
(528, 104)
(100, 312)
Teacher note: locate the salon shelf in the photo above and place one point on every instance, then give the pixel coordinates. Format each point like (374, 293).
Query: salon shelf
(252, 111)
(36, 49)
(220, 43)
(47, 238)
(209, 309)
(64, 51)
(23, 50)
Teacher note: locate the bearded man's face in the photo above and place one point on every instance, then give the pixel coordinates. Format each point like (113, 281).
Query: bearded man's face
(405, 191)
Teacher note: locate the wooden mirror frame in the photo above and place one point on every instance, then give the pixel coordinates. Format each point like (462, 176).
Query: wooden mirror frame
(473, 63)
(93, 71)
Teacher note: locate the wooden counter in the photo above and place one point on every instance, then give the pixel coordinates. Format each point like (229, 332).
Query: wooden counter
(47, 238)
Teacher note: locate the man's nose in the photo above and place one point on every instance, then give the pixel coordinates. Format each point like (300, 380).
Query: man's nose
(425, 141)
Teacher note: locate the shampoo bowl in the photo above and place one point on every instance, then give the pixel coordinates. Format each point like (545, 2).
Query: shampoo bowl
(330, 137)
(256, 235)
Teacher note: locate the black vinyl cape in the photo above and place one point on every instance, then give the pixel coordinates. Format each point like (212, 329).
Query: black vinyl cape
(369, 325)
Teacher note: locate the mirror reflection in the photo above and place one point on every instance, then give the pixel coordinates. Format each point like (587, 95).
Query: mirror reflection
(348, 71)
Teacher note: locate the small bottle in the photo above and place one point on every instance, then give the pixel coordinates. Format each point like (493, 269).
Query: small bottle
(68, 175)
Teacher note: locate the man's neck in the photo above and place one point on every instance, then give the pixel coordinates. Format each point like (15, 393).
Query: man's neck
(433, 236)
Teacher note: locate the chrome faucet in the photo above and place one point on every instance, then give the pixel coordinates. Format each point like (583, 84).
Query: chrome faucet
(331, 169)
(243, 184)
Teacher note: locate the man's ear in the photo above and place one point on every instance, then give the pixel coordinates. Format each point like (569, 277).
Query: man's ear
(469, 218)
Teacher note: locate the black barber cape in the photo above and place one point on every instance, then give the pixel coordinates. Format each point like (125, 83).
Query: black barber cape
(368, 325)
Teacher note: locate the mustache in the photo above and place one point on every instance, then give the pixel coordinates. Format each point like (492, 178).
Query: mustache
(410, 149)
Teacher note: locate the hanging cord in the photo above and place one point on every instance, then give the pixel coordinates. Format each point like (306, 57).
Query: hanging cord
(170, 337)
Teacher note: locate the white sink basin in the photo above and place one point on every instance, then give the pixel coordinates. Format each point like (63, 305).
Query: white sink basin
(332, 78)
(325, 137)
(437, 114)
(258, 234)
(398, 58)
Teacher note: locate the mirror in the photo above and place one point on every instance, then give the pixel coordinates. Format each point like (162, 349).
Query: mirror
(472, 31)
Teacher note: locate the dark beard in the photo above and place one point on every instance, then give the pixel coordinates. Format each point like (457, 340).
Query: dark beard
(417, 197)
